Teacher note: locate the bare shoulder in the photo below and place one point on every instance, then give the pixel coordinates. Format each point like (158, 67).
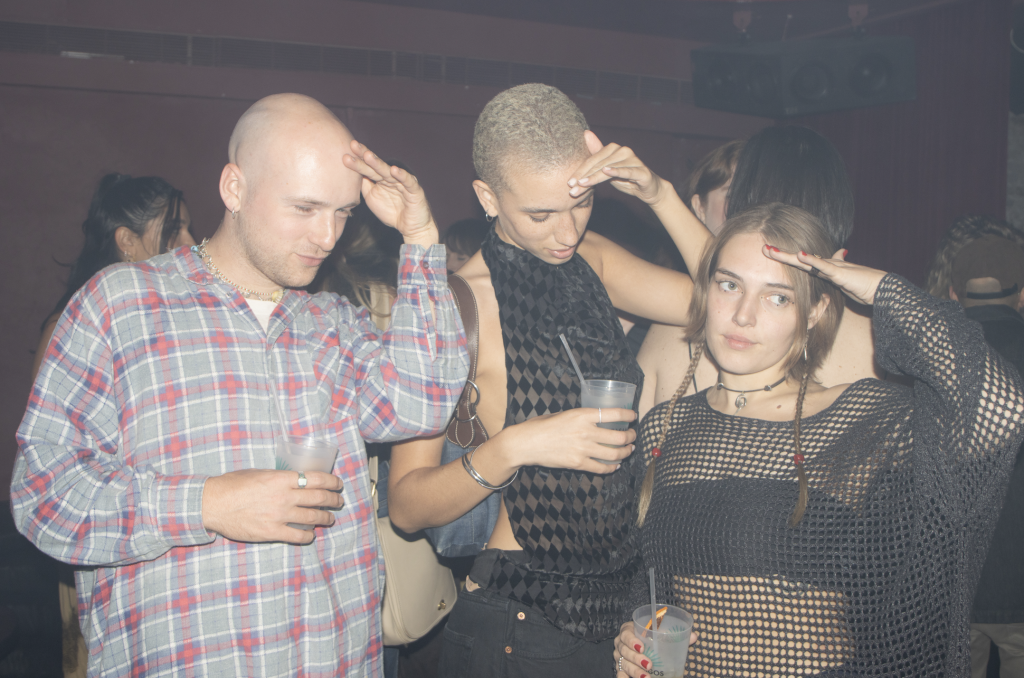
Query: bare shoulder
(491, 375)
(853, 353)
(662, 341)
(476, 273)
(663, 359)
(478, 276)
(594, 248)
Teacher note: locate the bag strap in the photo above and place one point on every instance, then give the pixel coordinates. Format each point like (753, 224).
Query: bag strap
(373, 467)
(465, 429)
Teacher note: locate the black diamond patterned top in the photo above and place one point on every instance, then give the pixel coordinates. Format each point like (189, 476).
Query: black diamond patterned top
(905, 486)
(574, 527)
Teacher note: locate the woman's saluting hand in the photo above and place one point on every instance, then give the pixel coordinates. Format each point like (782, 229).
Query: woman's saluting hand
(857, 282)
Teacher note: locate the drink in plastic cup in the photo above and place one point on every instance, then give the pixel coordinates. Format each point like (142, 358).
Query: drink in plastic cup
(304, 453)
(672, 639)
(605, 393)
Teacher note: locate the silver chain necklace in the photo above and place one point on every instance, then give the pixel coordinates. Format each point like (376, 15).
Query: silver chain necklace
(200, 249)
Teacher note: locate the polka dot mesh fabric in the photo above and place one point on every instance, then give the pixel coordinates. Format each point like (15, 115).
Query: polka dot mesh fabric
(904, 490)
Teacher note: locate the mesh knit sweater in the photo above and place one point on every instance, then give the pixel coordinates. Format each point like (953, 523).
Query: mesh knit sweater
(904, 485)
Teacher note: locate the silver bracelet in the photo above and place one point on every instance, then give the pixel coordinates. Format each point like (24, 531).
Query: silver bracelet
(467, 463)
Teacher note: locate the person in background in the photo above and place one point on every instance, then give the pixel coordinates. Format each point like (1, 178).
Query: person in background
(463, 240)
(129, 219)
(987, 278)
(794, 166)
(710, 182)
(147, 450)
(363, 266)
(963, 231)
(822, 531)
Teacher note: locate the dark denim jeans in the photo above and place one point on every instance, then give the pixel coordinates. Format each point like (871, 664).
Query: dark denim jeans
(488, 635)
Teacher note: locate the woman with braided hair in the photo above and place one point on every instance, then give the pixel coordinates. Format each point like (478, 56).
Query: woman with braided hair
(817, 531)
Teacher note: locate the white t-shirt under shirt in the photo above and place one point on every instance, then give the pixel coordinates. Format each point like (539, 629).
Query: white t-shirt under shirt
(263, 310)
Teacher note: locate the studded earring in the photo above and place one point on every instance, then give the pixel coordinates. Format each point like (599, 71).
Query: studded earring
(127, 257)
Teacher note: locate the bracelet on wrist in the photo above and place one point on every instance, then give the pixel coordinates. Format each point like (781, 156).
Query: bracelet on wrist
(467, 463)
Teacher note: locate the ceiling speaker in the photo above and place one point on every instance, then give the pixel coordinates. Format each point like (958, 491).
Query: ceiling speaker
(782, 79)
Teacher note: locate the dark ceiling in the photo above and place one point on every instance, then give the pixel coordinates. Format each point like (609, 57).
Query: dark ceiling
(700, 20)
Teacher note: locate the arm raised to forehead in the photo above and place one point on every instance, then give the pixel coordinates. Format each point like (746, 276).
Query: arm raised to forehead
(275, 115)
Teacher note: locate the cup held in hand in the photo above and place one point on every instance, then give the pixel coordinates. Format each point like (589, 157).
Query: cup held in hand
(606, 393)
(667, 643)
(304, 454)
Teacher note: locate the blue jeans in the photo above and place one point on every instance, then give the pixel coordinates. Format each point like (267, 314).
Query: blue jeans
(391, 662)
(489, 635)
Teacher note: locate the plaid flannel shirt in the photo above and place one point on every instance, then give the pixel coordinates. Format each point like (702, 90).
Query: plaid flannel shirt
(159, 376)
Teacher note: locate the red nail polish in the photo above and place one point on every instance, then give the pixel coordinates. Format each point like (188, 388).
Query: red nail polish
(803, 253)
(643, 675)
(638, 647)
(845, 253)
(645, 663)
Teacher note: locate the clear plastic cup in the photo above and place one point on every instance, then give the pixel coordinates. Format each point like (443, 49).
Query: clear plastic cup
(605, 393)
(668, 644)
(302, 454)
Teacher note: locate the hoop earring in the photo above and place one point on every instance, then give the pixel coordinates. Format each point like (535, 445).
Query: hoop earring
(489, 217)
(806, 360)
(232, 214)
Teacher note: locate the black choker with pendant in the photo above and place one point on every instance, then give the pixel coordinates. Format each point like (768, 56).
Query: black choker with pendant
(741, 399)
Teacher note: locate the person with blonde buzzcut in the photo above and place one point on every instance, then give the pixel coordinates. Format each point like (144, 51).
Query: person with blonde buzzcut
(545, 502)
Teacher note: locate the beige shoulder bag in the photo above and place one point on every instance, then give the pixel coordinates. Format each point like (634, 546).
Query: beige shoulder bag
(418, 590)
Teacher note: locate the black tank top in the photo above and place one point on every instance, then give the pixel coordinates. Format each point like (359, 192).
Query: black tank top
(575, 527)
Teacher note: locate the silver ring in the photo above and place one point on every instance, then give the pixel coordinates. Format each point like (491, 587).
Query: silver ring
(600, 417)
(302, 480)
(620, 662)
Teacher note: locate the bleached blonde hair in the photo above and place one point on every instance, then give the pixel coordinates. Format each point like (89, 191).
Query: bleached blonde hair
(534, 127)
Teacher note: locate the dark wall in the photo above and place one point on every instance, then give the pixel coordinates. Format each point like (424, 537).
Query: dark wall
(918, 166)
(66, 122)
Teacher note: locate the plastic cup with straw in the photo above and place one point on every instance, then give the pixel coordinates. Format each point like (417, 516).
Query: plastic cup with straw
(655, 622)
(602, 394)
(665, 633)
(575, 365)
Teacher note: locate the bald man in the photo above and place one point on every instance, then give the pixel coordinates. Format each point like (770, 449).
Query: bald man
(147, 451)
